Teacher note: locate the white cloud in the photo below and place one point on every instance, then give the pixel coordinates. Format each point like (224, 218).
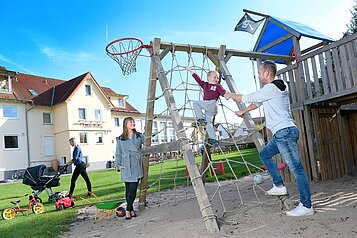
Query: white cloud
(64, 56)
(3, 58)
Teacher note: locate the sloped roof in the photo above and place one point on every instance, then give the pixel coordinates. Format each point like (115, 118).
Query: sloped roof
(53, 91)
(59, 93)
(128, 109)
(110, 92)
(21, 84)
(277, 33)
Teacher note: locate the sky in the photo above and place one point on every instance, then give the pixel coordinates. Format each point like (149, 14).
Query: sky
(64, 39)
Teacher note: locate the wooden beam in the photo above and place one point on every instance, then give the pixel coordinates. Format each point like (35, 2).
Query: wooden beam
(213, 58)
(277, 41)
(331, 96)
(310, 135)
(288, 68)
(313, 47)
(148, 124)
(228, 57)
(214, 50)
(330, 46)
(206, 158)
(164, 52)
(196, 179)
(161, 148)
(255, 13)
(257, 137)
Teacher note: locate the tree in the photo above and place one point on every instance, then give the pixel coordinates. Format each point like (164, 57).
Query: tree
(352, 27)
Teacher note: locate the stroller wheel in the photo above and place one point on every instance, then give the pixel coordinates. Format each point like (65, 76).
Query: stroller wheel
(53, 198)
(38, 199)
(61, 207)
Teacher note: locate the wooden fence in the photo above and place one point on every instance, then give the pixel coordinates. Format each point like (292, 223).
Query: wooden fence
(321, 84)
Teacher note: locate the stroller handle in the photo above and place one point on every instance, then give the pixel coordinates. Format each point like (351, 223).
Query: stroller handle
(61, 171)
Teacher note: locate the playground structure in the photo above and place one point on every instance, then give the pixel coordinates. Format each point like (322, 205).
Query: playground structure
(323, 84)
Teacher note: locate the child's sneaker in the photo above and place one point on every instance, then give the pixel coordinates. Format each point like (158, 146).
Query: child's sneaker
(199, 122)
(300, 211)
(194, 124)
(202, 122)
(276, 191)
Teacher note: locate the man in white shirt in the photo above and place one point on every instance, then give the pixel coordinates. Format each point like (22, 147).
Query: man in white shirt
(274, 97)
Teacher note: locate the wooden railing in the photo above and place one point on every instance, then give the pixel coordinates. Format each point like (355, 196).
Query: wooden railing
(328, 73)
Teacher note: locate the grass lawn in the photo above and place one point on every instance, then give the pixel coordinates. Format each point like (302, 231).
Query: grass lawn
(106, 185)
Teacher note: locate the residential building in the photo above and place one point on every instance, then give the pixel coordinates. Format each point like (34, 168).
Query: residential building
(38, 115)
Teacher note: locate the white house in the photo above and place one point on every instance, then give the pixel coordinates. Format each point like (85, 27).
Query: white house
(38, 115)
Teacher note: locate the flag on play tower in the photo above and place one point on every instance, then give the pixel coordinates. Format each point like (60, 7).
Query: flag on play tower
(248, 24)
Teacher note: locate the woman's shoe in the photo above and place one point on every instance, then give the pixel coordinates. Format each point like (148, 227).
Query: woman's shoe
(128, 215)
(133, 214)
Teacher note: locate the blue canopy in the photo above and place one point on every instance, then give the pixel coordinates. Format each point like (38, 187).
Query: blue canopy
(277, 28)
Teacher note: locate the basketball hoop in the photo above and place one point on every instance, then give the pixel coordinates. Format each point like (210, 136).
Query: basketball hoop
(124, 51)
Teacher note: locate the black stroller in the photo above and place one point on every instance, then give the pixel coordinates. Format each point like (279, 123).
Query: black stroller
(34, 177)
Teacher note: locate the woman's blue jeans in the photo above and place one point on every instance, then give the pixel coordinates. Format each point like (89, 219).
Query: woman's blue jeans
(285, 142)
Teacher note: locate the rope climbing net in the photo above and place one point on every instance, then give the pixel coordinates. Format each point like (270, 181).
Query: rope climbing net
(186, 90)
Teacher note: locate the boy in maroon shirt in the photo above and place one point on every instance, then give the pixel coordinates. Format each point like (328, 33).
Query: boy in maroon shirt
(212, 90)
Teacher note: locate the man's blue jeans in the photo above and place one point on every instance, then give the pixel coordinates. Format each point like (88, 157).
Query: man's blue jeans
(284, 142)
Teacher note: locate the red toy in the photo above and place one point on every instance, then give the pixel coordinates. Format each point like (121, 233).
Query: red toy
(64, 203)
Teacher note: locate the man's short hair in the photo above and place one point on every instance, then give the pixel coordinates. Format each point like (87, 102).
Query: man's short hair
(270, 66)
(72, 139)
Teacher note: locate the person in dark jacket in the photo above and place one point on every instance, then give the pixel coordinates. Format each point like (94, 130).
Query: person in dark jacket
(80, 168)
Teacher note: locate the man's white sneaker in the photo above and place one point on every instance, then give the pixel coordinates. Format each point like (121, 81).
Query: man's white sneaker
(300, 211)
(275, 191)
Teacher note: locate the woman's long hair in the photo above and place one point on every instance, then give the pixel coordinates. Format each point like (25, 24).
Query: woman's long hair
(125, 134)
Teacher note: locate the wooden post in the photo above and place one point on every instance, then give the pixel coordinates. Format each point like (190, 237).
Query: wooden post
(206, 157)
(148, 130)
(310, 135)
(257, 137)
(197, 183)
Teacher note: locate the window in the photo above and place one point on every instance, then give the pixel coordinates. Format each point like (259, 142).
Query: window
(88, 90)
(155, 138)
(82, 113)
(121, 102)
(163, 133)
(48, 145)
(63, 160)
(33, 92)
(46, 118)
(170, 132)
(11, 142)
(10, 112)
(83, 138)
(99, 137)
(98, 115)
(116, 121)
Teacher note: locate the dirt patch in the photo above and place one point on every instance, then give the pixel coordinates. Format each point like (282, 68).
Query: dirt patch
(175, 213)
